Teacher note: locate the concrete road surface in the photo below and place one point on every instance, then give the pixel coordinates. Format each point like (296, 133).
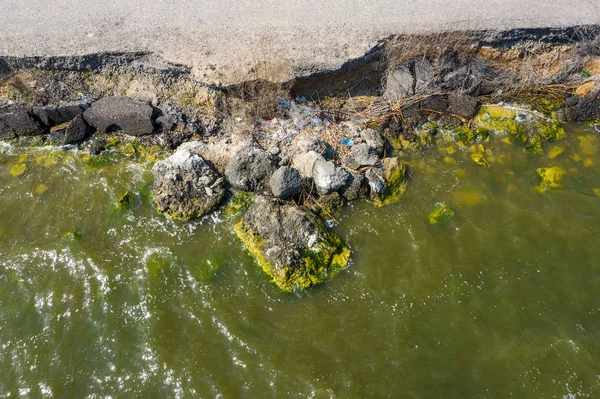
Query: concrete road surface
(222, 38)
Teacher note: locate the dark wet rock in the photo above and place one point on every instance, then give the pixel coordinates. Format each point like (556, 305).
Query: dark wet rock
(463, 105)
(361, 155)
(131, 116)
(448, 63)
(327, 206)
(399, 83)
(466, 79)
(250, 170)
(326, 176)
(186, 187)
(52, 115)
(77, 131)
(20, 122)
(581, 108)
(291, 244)
(285, 182)
(356, 188)
(165, 123)
(97, 147)
(434, 104)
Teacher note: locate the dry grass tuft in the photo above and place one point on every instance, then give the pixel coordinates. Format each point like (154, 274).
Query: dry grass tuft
(432, 46)
(262, 85)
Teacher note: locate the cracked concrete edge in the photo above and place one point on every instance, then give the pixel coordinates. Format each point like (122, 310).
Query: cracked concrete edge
(301, 69)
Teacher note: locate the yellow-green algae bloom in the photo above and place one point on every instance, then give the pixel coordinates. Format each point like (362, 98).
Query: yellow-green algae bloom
(551, 177)
(528, 131)
(18, 169)
(441, 212)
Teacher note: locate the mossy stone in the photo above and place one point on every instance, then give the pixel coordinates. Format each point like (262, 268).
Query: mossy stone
(394, 174)
(317, 264)
(441, 212)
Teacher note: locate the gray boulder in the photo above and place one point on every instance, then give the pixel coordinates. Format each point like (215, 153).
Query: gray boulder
(19, 122)
(250, 170)
(399, 83)
(356, 188)
(291, 244)
(304, 144)
(424, 75)
(285, 182)
(52, 115)
(121, 113)
(361, 155)
(463, 105)
(581, 108)
(326, 176)
(186, 187)
(373, 139)
(77, 131)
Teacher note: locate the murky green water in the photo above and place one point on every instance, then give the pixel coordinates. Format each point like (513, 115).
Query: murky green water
(501, 301)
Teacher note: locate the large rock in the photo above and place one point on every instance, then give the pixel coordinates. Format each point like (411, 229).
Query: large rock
(424, 75)
(250, 170)
(131, 116)
(373, 139)
(326, 176)
(285, 182)
(186, 187)
(291, 244)
(77, 131)
(20, 122)
(304, 144)
(356, 188)
(399, 83)
(361, 155)
(581, 108)
(387, 182)
(463, 105)
(52, 115)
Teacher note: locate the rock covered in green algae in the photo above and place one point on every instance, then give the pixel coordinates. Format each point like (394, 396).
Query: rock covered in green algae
(388, 182)
(291, 244)
(186, 187)
(528, 127)
(440, 212)
(551, 177)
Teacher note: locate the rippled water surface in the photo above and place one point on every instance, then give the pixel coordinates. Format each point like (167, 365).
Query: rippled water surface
(501, 301)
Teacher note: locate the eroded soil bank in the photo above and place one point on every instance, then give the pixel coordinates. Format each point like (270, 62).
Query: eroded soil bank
(295, 152)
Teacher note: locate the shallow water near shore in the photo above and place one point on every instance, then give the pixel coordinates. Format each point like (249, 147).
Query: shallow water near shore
(102, 299)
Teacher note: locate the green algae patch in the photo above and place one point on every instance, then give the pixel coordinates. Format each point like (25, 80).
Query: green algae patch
(479, 155)
(40, 189)
(18, 169)
(469, 135)
(125, 201)
(466, 198)
(530, 129)
(555, 151)
(239, 202)
(589, 144)
(317, 265)
(441, 213)
(394, 174)
(551, 177)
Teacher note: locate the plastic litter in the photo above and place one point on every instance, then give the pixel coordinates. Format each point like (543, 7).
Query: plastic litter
(347, 142)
